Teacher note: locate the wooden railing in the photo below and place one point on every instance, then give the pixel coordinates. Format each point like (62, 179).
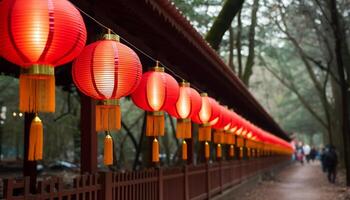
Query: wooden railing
(187, 183)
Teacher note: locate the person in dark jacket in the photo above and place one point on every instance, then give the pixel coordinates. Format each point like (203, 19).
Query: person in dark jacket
(331, 162)
(322, 159)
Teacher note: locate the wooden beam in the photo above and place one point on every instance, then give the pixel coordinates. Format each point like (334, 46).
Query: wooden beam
(88, 151)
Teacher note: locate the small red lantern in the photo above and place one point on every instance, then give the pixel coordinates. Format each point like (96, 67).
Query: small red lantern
(39, 35)
(107, 70)
(207, 116)
(188, 105)
(157, 91)
(222, 125)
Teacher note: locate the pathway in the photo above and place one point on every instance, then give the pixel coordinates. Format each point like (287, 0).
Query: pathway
(297, 182)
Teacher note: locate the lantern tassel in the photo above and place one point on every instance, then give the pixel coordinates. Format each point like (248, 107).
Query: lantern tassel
(183, 128)
(155, 124)
(36, 93)
(155, 150)
(218, 151)
(184, 150)
(206, 150)
(108, 150)
(204, 133)
(231, 151)
(108, 117)
(241, 152)
(35, 151)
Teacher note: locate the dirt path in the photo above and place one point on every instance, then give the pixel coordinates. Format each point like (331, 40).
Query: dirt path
(297, 182)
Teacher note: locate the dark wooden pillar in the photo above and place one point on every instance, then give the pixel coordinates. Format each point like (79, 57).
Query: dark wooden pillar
(190, 145)
(88, 149)
(29, 167)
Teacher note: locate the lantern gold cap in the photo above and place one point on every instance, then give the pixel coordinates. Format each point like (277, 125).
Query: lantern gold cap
(157, 69)
(39, 69)
(183, 83)
(204, 94)
(110, 36)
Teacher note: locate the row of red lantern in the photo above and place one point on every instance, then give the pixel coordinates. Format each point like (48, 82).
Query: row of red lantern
(39, 35)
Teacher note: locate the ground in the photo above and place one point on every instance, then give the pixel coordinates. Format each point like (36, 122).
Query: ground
(299, 182)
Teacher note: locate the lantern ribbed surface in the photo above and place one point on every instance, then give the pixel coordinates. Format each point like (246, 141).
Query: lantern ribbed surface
(156, 91)
(209, 112)
(224, 121)
(45, 32)
(107, 69)
(187, 105)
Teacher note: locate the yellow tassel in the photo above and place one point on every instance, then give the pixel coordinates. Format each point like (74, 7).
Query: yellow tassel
(204, 133)
(155, 150)
(155, 124)
(108, 118)
(206, 150)
(232, 151)
(35, 151)
(108, 150)
(184, 150)
(218, 151)
(36, 93)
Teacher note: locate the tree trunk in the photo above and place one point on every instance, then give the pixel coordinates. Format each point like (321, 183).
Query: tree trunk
(341, 61)
(223, 22)
(231, 46)
(239, 45)
(248, 70)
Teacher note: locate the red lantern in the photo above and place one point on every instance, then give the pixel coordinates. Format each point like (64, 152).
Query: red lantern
(107, 70)
(157, 91)
(207, 116)
(188, 105)
(39, 35)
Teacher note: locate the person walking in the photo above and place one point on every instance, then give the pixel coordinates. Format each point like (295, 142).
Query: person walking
(331, 162)
(307, 150)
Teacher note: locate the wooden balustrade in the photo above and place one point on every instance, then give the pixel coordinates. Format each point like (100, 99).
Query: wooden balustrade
(188, 183)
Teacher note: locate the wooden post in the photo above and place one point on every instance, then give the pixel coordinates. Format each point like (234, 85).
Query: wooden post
(88, 148)
(221, 179)
(29, 167)
(208, 180)
(106, 185)
(190, 144)
(186, 184)
(160, 184)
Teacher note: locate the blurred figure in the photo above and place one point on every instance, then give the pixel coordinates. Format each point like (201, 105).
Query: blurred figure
(307, 150)
(300, 153)
(322, 159)
(331, 162)
(313, 154)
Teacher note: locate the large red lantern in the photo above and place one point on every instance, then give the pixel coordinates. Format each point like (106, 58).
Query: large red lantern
(107, 70)
(188, 104)
(39, 35)
(156, 92)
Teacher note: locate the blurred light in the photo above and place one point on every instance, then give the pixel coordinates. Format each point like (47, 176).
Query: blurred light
(14, 114)
(20, 114)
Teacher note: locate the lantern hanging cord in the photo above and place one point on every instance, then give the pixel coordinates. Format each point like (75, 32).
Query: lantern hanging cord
(139, 50)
